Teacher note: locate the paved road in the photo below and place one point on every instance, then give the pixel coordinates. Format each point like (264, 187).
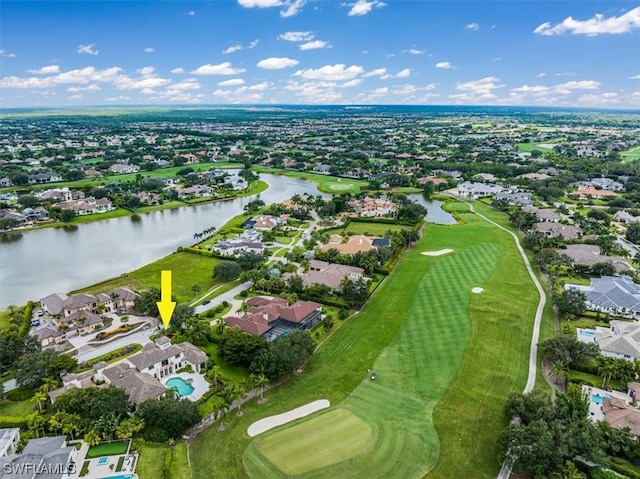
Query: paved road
(10, 385)
(141, 337)
(505, 471)
(228, 296)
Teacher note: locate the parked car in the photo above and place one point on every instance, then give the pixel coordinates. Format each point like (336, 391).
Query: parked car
(205, 302)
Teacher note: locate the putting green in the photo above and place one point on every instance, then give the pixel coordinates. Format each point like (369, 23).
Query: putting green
(328, 439)
(339, 186)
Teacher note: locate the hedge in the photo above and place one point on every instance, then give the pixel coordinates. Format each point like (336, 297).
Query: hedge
(13, 421)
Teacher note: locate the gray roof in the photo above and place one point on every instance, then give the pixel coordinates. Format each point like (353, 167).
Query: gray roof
(6, 438)
(193, 354)
(614, 292)
(589, 254)
(152, 354)
(78, 301)
(54, 302)
(45, 453)
(138, 386)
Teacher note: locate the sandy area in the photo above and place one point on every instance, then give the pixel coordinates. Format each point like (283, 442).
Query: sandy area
(270, 422)
(437, 253)
(477, 290)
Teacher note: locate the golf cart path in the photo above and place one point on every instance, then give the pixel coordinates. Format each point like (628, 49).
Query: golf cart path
(505, 471)
(270, 422)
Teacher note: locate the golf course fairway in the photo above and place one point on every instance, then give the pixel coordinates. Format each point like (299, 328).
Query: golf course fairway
(446, 360)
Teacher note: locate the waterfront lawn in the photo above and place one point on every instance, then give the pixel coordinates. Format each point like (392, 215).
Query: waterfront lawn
(326, 184)
(117, 213)
(188, 269)
(444, 348)
(108, 449)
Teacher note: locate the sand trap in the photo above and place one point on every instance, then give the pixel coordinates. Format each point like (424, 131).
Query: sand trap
(477, 290)
(437, 253)
(270, 422)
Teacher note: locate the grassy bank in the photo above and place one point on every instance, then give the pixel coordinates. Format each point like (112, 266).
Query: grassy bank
(326, 184)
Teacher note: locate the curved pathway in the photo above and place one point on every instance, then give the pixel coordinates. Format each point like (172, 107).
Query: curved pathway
(505, 471)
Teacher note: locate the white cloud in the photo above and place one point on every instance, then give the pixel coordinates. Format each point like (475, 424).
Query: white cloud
(403, 73)
(146, 71)
(444, 65)
(362, 7)
(477, 90)
(413, 51)
(376, 73)
(48, 70)
(74, 97)
(222, 69)
(232, 82)
(568, 87)
(315, 44)
(566, 74)
(177, 71)
(296, 36)
(74, 89)
(335, 72)
(289, 7)
(472, 26)
(293, 8)
(257, 87)
(187, 84)
(497, 59)
(594, 26)
(232, 49)
(351, 83)
(277, 63)
(146, 83)
(533, 89)
(635, 77)
(149, 50)
(80, 76)
(4, 53)
(191, 13)
(254, 43)
(541, 75)
(88, 49)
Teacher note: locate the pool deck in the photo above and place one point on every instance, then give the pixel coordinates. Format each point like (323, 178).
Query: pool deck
(197, 381)
(595, 409)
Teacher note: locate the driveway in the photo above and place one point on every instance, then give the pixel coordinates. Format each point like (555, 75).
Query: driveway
(228, 296)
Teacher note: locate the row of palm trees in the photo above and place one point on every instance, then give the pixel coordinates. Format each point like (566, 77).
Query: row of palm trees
(207, 233)
(608, 369)
(235, 391)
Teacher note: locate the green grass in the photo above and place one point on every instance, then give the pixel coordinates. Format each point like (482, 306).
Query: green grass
(16, 408)
(188, 269)
(373, 228)
(327, 439)
(535, 146)
(151, 462)
(108, 449)
(235, 373)
(178, 465)
(631, 155)
(446, 361)
(117, 213)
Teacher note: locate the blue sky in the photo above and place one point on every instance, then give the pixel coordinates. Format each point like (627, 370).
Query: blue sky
(551, 53)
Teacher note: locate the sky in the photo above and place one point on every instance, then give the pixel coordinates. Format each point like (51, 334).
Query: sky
(419, 52)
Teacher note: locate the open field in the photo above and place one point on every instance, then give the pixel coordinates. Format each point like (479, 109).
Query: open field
(372, 228)
(446, 361)
(631, 155)
(188, 269)
(326, 184)
(535, 146)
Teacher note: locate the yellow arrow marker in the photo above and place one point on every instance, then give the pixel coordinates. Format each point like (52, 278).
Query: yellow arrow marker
(165, 305)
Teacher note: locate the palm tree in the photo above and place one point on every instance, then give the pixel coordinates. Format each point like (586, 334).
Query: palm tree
(213, 374)
(261, 382)
(35, 422)
(196, 288)
(559, 371)
(71, 424)
(57, 420)
(567, 471)
(606, 369)
(92, 438)
(239, 390)
(40, 399)
(48, 384)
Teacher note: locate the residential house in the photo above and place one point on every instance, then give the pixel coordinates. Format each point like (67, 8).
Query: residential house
(122, 168)
(234, 246)
(237, 182)
(195, 191)
(268, 222)
(322, 169)
(606, 184)
(273, 317)
(585, 192)
(5, 182)
(476, 190)
(60, 194)
(88, 206)
(625, 217)
(522, 199)
(327, 274)
(589, 254)
(558, 229)
(373, 207)
(42, 458)
(615, 295)
(543, 214)
(354, 244)
(484, 177)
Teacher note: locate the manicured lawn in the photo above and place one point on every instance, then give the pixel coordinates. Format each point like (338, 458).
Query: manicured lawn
(151, 462)
(108, 449)
(446, 360)
(631, 155)
(178, 465)
(327, 439)
(372, 228)
(230, 371)
(535, 146)
(188, 269)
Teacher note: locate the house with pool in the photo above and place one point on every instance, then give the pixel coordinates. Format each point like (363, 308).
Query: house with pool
(150, 373)
(621, 410)
(620, 340)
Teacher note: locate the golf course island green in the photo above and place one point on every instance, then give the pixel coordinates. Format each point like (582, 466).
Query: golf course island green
(446, 360)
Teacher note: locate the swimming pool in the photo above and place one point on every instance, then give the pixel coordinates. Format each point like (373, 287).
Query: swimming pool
(180, 385)
(103, 460)
(596, 398)
(586, 335)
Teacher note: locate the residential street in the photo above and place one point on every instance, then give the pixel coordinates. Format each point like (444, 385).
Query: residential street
(228, 296)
